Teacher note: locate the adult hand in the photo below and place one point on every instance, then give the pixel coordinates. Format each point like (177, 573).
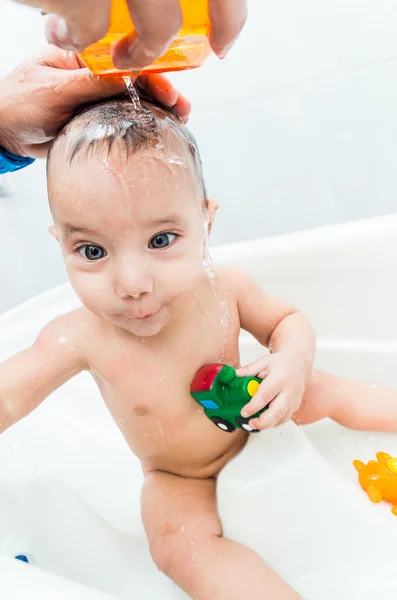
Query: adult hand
(78, 23)
(43, 92)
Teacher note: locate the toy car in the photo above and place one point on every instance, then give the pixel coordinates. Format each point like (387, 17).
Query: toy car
(223, 395)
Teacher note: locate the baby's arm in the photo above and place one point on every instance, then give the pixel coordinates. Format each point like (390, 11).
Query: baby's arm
(27, 378)
(279, 326)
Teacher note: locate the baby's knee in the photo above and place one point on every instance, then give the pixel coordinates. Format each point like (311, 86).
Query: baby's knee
(167, 554)
(174, 553)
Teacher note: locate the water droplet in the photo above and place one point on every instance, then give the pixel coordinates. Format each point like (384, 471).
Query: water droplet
(123, 421)
(174, 159)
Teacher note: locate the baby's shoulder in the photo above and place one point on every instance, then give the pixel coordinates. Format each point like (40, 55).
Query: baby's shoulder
(232, 279)
(72, 328)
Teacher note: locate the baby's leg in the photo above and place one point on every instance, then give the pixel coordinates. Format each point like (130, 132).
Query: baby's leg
(350, 402)
(186, 543)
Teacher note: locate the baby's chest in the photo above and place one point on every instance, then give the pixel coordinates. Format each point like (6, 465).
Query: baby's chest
(141, 392)
(149, 379)
(153, 385)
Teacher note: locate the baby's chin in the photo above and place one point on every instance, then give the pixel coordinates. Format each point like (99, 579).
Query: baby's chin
(141, 327)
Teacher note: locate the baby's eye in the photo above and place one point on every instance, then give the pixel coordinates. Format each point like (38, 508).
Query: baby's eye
(162, 240)
(92, 252)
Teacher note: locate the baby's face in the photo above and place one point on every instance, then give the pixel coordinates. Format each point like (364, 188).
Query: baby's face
(132, 235)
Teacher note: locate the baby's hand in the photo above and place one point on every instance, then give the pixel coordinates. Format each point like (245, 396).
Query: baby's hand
(284, 375)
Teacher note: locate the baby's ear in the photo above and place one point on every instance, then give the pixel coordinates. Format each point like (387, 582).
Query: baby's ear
(212, 207)
(53, 231)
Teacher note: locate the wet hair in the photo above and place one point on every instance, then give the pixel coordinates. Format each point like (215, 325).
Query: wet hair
(121, 121)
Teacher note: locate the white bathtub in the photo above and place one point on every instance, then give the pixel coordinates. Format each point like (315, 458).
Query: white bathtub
(69, 486)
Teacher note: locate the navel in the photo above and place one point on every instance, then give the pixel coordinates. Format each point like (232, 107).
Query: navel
(141, 410)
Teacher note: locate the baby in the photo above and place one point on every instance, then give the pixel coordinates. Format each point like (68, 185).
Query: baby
(132, 217)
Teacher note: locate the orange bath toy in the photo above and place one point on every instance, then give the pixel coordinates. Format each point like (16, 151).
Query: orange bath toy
(379, 478)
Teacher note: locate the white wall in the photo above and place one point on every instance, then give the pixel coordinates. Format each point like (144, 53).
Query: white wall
(297, 128)
(30, 261)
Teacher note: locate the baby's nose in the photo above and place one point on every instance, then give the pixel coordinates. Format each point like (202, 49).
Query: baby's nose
(133, 282)
(135, 291)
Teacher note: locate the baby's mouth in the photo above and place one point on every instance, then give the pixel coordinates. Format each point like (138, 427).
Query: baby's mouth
(143, 317)
(139, 316)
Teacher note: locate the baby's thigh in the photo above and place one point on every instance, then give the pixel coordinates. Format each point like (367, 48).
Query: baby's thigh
(180, 517)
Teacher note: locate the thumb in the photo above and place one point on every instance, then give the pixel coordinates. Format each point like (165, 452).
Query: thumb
(77, 23)
(81, 86)
(52, 56)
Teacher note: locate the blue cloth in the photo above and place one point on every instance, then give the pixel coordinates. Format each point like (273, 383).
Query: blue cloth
(11, 162)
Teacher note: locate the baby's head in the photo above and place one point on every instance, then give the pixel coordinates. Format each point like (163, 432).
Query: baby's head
(130, 212)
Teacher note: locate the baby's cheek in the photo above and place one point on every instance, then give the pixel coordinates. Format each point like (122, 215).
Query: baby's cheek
(90, 289)
(187, 275)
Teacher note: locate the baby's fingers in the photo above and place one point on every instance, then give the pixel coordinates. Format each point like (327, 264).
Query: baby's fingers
(255, 368)
(274, 415)
(267, 391)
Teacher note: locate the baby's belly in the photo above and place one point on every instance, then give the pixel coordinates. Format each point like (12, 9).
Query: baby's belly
(204, 460)
(183, 442)
(162, 424)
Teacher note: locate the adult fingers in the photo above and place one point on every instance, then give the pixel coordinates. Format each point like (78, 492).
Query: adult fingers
(82, 86)
(76, 24)
(159, 87)
(227, 20)
(156, 23)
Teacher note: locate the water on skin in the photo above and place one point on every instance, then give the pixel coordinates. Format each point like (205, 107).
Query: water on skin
(116, 337)
(119, 181)
(217, 289)
(207, 261)
(58, 88)
(145, 115)
(161, 430)
(200, 303)
(175, 159)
